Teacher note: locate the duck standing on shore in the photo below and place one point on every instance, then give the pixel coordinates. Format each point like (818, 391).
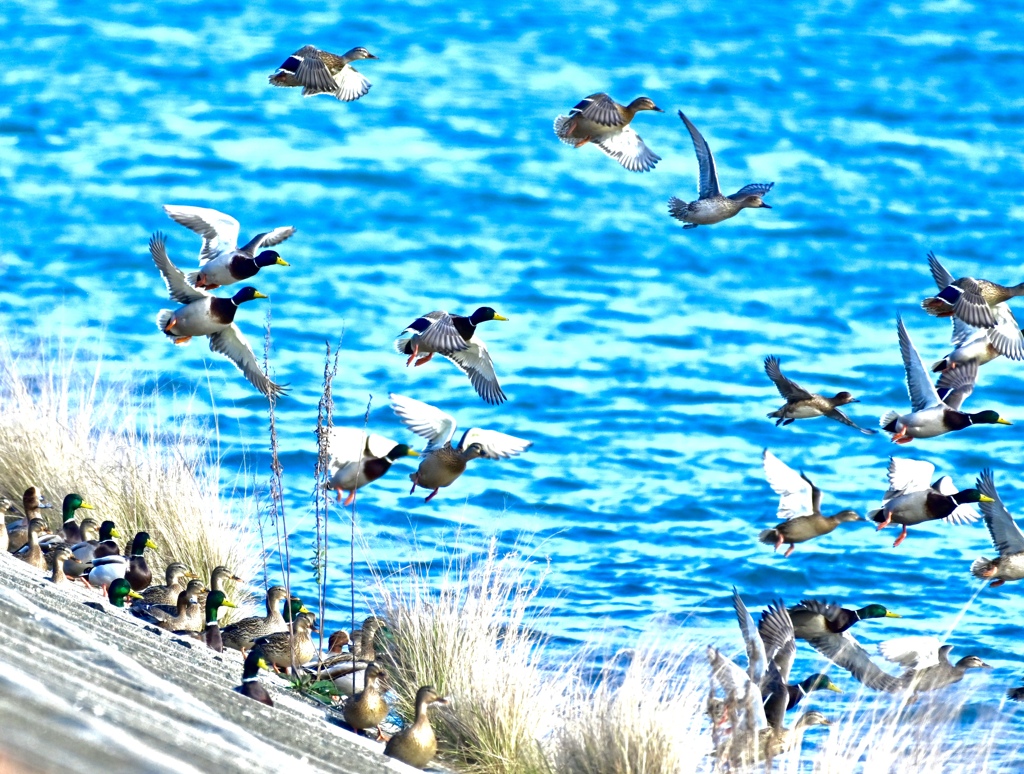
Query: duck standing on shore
(416, 744)
(603, 121)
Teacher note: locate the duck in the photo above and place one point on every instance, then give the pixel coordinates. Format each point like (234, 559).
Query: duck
(138, 573)
(106, 569)
(367, 709)
(215, 600)
(799, 507)
(925, 658)
(321, 72)
(57, 559)
(185, 615)
(218, 578)
(202, 314)
(778, 741)
(416, 744)
(251, 685)
(17, 531)
(221, 260)
(119, 590)
(31, 552)
(70, 531)
(279, 648)
(911, 499)
(443, 463)
(813, 617)
(801, 404)
(241, 634)
(1006, 537)
(976, 302)
(711, 206)
(358, 458)
(175, 575)
(348, 670)
(930, 415)
(603, 121)
(454, 337)
(978, 345)
(104, 545)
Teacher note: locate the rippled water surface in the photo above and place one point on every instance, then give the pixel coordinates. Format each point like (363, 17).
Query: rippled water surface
(633, 358)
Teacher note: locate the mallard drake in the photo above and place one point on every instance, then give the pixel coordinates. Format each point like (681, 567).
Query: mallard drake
(70, 531)
(104, 545)
(321, 72)
(454, 337)
(138, 573)
(221, 260)
(251, 685)
(711, 206)
(603, 121)
(926, 660)
(17, 531)
(215, 600)
(185, 615)
(799, 507)
(358, 458)
(443, 463)
(206, 315)
(813, 618)
(367, 709)
(977, 302)
(106, 569)
(978, 345)
(801, 404)
(279, 648)
(119, 590)
(416, 744)
(57, 559)
(175, 575)
(911, 499)
(1006, 537)
(930, 416)
(218, 578)
(241, 634)
(31, 551)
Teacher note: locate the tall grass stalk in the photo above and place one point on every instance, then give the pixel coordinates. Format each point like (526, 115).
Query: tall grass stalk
(321, 496)
(65, 428)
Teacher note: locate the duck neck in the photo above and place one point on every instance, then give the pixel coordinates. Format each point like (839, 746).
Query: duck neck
(251, 669)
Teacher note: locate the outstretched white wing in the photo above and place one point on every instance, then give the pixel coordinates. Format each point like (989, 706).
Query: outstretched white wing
(794, 491)
(919, 384)
(495, 445)
(177, 288)
(424, 420)
(907, 476)
(913, 652)
(962, 514)
(627, 148)
(218, 230)
(475, 362)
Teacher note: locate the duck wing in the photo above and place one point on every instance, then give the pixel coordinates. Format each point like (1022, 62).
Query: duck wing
(423, 419)
(437, 332)
(906, 475)
(796, 493)
(919, 384)
(787, 388)
(707, 182)
(955, 385)
(352, 84)
(962, 514)
(962, 332)
(939, 273)
(844, 651)
(1006, 336)
(913, 652)
(177, 288)
(494, 445)
(839, 416)
(232, 344)
(475, 362)
(1006, 535)
(776, 630)
(737, 686)
(601, 109)
(267, 239)
(970, 304)
(218, 230)
(312, 72)
(628, 148)
(757, 658)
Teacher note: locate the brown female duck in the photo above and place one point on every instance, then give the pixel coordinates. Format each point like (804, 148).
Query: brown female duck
(416, 744)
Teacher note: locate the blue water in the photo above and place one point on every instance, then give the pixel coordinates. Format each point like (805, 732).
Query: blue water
(633, 358)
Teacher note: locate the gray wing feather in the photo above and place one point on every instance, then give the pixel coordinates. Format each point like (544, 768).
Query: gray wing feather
(230, 343)
(844, 651)
(475, 362)
(757, 659)
(939, 273)
(787, 388)
(839, 416)
(177, 288)
(776, 630)
(971, 306)
(1006, 535)
(601, 109)
(956, 384)
(919, 385)
(708, 180)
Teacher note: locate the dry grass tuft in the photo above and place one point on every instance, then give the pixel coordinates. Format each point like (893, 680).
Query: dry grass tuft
(64, 430)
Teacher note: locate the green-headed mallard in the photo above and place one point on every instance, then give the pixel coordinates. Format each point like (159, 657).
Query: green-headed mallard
(118, 590)
(814, 618)
(977, 302)
(241, 634)
(454, 337)
(711, 206)
(282, 649)
(17, 531)
(443, 463)
(932, 415)
(211, 633)
(358, 458)
(1006, 537)
(205, 315)
(221, 261)
(70, 531)
(138, 573)
(185, 615)
(57, 559)
(912, 499)
(416, 744)
(926, 660)
(603, 121)
(104, 545)
(367, 709)
(175, 575)
(799, 506)
(106, 569)
(321, 72)
(251, 685)
(801, 404)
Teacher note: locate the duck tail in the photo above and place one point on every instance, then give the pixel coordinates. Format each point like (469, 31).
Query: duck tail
(192, 278)
(940, 365)
(562, 129)
(769, 536)
(402, 345)
(984, 568)
(876, 515)
(163, 317)
(888, 421)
